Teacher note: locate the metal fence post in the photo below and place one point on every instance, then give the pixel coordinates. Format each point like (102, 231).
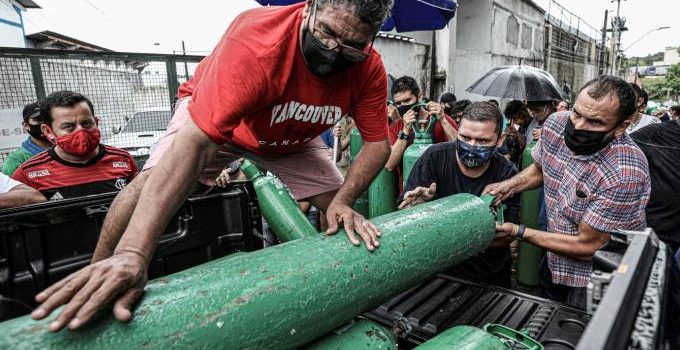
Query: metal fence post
(38, 82)
(173, 83)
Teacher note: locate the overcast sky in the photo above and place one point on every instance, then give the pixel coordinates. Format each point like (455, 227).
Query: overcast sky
(135, 25)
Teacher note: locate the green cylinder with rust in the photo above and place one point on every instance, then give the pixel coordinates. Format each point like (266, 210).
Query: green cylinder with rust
(423, 139)
(529, 256)
(277, 205)
(355, 143)
(362, 334)
(463, 338)
(382, 194)
(284, 215)
(285, 296)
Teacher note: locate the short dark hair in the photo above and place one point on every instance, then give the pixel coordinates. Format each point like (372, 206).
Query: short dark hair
(460, 106)
(495, 102)
(448, 97)
(484, 112)
(607, 85)
(405, 84)
(372, 12)
(641, 93)
(31, 110)
(515, 107)
(61, 99)
(675, 109)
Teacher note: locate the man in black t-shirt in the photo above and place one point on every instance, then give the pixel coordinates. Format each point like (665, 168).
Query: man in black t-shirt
(661, 145)
(467, 165)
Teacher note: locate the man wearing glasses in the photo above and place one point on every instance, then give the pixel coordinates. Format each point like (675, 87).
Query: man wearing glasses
(277, 79)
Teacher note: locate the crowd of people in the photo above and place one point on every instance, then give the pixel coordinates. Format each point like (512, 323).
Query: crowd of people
(601, 163)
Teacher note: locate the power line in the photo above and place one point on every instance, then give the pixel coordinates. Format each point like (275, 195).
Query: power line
(109, 19)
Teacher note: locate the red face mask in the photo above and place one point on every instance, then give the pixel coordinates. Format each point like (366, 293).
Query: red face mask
(79, 143)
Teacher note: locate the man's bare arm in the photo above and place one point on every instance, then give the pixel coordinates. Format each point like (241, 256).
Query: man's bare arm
(396, 154)
(363, 170)
(581, 246)
(166, 189)
(121, 277)
(449, 131)
(21, 195)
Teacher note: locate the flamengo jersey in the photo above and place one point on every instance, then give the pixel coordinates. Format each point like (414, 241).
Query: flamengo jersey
(109, 171)
(254, 91)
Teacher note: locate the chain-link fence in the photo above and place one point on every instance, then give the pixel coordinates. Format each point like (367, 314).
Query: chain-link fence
(132, 93)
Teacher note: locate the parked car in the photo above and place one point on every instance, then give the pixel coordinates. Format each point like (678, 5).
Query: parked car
(141, 131)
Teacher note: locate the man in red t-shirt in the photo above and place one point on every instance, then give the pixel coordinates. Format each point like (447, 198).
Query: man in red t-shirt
(407, 95)
(78, 165)
(277, 79)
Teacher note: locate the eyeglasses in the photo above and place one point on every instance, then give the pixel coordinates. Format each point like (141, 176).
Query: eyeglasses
(331, 43)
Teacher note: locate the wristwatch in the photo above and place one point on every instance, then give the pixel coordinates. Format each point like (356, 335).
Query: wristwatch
(402, 135)
(520, 233)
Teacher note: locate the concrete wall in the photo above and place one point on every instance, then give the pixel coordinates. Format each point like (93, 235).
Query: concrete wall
(482, 40)
(406, 57)
(11, 24)
(571, 57)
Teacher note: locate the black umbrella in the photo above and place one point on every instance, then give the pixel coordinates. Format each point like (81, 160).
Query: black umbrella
(518, 82)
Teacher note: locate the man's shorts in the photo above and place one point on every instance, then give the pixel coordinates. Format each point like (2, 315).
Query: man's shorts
(308, 172)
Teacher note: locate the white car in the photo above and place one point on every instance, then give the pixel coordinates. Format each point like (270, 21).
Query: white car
(141, 131)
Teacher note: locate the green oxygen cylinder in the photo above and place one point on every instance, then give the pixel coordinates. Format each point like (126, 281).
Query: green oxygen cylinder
(277, 205)
(424, 138)
(355, 142)
(529, 256)
(382, 194)
(492, 337)
(285, 296)
(289, 223)
(362, 334)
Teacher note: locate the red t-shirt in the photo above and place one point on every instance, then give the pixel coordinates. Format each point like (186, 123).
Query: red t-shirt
(109, 171)
(439, 136)
(254, 90)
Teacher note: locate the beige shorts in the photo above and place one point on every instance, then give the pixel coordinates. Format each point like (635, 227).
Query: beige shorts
(308, 172)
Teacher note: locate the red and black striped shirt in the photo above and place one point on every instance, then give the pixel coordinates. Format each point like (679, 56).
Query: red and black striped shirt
(109, 171)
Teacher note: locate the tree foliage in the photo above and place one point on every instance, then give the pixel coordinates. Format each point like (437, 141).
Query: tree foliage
(658, 88)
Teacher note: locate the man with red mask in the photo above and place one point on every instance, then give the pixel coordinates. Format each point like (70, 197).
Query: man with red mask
(77, 164)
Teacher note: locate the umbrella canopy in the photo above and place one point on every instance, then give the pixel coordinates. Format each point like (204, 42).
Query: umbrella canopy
(407, 15)
(518, 82)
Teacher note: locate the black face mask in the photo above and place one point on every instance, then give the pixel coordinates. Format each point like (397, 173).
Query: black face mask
(585, 142)
(474, 156)
(404, 108)
(34, 130)
(322, 62)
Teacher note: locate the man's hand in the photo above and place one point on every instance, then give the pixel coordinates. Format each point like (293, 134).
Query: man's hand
(337, 130)
(505, 234)
(393, 112)
(418, 195)
(436, 109)
(536, 133)
(120, 278)
(353, 223)
(501, 190)
(224, 178)
(409, 118)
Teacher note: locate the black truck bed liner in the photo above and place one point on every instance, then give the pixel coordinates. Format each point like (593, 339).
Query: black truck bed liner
(445, 301)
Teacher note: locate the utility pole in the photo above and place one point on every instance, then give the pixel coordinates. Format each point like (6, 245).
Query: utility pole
(603, 53)
(616, 36)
